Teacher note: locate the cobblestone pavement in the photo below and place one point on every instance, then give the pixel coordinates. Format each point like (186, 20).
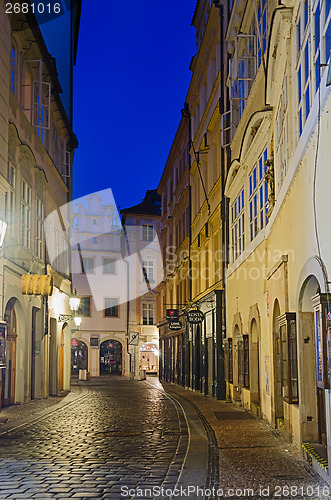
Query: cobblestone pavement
(116, 433)
(253, 457)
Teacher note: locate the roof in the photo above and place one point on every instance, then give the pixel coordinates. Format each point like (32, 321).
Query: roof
(151, 205)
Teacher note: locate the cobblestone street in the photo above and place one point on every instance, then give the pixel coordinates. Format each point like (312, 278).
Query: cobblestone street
(111, 433)
(116, 433)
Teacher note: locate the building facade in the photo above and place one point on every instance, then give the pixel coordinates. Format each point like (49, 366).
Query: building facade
(277, 283)
(141, 225)
(100, 344)
(36, 154)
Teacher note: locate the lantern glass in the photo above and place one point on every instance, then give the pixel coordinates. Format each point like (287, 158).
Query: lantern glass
(77, 320)
(74, 303)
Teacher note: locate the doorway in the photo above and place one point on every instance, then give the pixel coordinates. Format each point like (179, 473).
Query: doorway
(278, 407)
(8, 387)
(111, 358)
(79, 356)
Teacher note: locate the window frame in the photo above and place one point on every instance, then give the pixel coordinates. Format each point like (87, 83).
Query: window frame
(26, 194)
(320, 303)
(111, 260)
(82, 308)
(289, 357)
(149, 309)
(83, 267)
(149, 229)
(258, 219)
(238, 225)
(117, 306)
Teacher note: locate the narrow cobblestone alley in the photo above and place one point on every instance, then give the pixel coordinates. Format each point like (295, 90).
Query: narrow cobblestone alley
(115, 433)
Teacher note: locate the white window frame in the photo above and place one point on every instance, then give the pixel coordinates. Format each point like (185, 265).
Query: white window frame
(148, 313)
(40, 215)
(87, 268)
(148, 265)
(281, 134)
(25, 214)
(238, 225)
(147, 232)
(258, 196)
(105, 264)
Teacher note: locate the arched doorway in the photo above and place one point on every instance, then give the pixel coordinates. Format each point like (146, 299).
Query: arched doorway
(62, 358)
(79, 356)
(8, 388)
(310, 392)
(278, 406)
(111, 357)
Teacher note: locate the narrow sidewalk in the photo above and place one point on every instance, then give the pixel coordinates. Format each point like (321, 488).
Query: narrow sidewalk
(253, 457)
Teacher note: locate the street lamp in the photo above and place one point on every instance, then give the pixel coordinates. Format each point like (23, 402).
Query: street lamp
(74, 301)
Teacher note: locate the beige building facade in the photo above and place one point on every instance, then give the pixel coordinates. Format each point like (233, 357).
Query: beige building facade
(277, 280)
(36, 153)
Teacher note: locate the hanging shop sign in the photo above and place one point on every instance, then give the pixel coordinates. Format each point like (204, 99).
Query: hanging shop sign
(195, 316)
(133, 338)
(36, 284)
(172, 314)
(175, 325)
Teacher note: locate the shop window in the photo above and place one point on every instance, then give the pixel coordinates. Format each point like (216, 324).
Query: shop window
(322, 339)
(289, 361)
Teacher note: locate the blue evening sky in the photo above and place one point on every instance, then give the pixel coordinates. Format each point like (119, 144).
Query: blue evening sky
(130, 83)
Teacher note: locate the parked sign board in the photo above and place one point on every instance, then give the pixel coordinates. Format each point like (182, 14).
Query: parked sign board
(195, 316)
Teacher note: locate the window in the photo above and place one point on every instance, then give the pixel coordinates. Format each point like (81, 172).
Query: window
(111, 307)
(289, 363)
(281, 134)
(87, 265)
(243, 361)
(40, 229)
(148, 314)
(108, 266)
(148, 270)
(94, 239)
(13, 67)
(258, 196)
(262, 28)
(10, 197)
(238, 225)
(322, 320)
(148, 232)
(303, 65)
(84, 307)
(25, 214)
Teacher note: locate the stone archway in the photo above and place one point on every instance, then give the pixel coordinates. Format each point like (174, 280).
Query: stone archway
(9, 383)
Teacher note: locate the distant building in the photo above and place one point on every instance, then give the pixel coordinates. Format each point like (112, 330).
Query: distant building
(100, 344)
(142, 233)
(36, 153)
